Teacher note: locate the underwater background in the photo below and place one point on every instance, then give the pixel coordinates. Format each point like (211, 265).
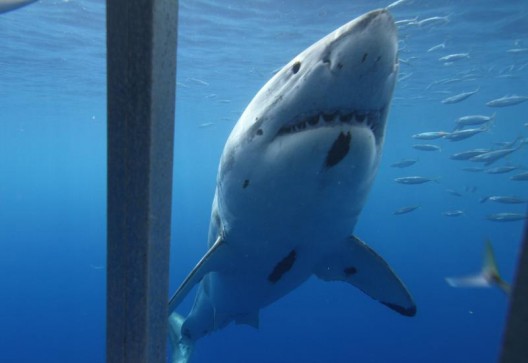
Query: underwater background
(53, 177)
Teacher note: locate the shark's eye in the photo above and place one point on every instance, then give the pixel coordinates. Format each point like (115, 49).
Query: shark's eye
(296, 67)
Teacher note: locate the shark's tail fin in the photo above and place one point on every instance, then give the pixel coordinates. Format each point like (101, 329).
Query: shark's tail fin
(489, 275)
(181, 347)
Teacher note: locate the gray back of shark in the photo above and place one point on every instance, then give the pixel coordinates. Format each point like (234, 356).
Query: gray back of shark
(293, 177)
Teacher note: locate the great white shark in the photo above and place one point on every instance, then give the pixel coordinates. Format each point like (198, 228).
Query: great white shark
(293, 177)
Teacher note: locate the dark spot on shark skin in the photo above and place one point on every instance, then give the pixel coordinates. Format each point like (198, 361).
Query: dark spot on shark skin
(410, 311)
(296, 67)
(282, 267)
(364, 58)
(339, 149)
(187, 334)
(339, 65)
(246, 183)
(349, 271)
(260, 132)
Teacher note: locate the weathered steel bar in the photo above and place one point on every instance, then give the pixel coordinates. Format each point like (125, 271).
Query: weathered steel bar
(141, 76)
(515, 341)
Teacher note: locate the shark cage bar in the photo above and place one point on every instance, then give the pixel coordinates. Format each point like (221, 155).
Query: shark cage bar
(514, 345)
(141, 77)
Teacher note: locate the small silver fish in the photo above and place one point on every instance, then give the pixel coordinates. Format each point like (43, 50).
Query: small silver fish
(413, 180)
(506, 217)
(492, 156)
(396, 3)
(517, 50)
(473, 169)
(466, 155)
(473, 120)
(436, 47)
(206, 125)
(405, 210)
(464, 134)
(404, 163)
(520, 177)
(501, 169)
(426, 147)
(507, 199)
(430, 135)
(459, 97)
(453, 213)
(507, 101)
(435, 20)
(454, 57)
(453, 192)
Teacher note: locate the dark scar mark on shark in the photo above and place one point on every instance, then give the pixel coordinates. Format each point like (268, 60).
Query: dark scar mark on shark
(260, 132)
(246, 183)
(282, 267)
(339, 149)
(349, 271)
(296, 67)
(364, 58)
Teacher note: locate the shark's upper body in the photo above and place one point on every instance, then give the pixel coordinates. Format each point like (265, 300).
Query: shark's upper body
(8, 5)
(293, 178)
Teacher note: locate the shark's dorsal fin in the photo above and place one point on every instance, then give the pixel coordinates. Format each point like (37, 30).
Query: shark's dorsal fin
(204, 266)
(359, 265)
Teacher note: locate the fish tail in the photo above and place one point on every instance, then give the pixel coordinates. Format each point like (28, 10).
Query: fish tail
(491, 270)
(487, 277)
(492, 117)
(181, 347)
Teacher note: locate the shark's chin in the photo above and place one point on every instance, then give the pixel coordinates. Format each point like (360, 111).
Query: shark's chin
(373, 120)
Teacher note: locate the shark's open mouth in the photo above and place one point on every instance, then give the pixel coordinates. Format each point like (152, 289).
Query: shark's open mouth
(370, 119)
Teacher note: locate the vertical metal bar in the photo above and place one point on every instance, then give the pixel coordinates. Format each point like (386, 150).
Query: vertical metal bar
(141, 76)
(515, 342)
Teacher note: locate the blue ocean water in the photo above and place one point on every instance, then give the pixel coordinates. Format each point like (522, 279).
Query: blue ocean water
(53, 186)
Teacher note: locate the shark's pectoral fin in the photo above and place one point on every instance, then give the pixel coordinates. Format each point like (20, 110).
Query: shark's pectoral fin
(357, 264)
(209, 262)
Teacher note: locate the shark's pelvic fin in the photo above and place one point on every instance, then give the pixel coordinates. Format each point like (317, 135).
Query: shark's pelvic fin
(359, 265)
(489, 275)
(205, 265)
(249, 319)
(181, 347)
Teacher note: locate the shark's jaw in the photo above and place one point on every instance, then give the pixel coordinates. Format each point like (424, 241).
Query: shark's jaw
(372, 119)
